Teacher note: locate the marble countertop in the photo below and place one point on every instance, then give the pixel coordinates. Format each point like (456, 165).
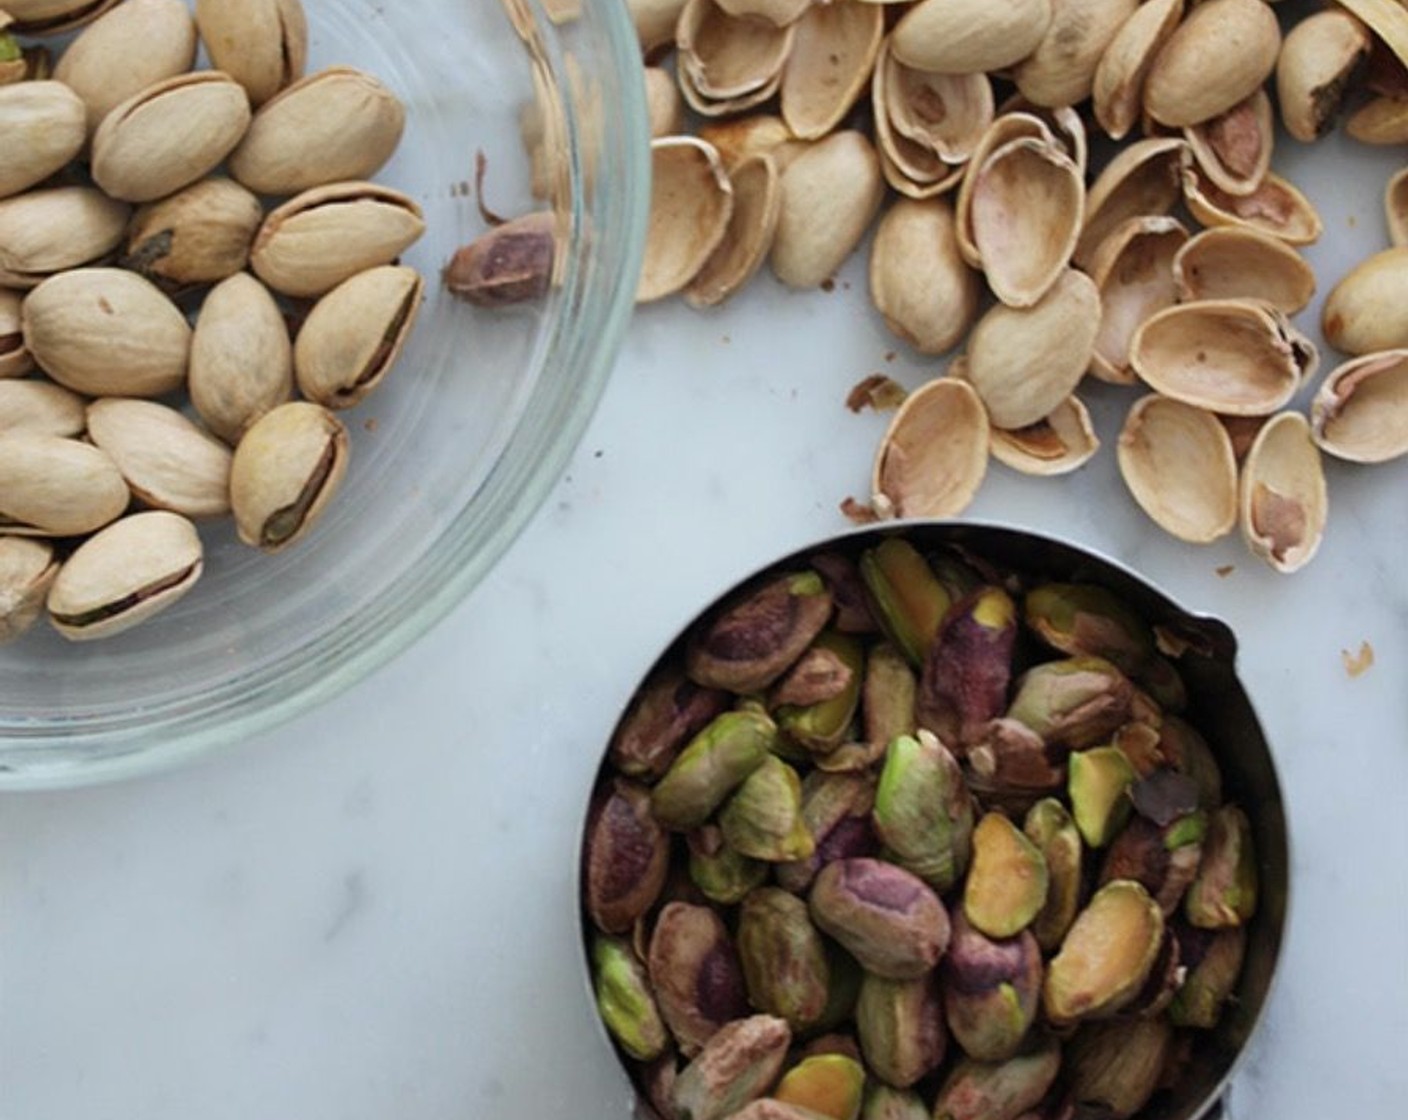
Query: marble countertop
(370, 913)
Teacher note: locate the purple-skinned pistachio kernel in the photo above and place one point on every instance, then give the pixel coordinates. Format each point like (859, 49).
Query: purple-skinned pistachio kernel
(901, 1028)
(669, 711)
(890, 920)
(695, 972)
(736, 1066)
(848, 590)
(968, 668)
(627, 856)
(992, 990)
(836, 810)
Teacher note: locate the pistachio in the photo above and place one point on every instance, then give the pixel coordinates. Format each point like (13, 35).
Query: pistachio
(752, 640)
(241, 364)
(27, 569)
(1010, 765)
(695, 973)
(763, 817)
(624, 1000)
(923, 813)
(338, 124)
(1049, 826)
(1317, 59)
(125, 574)
(1360, 411)
(168, 462)
(975, 1090)
(767, 1108)
(816, 700)
(901, 1028)
(53, 17)
(827, 1085)
(1213, 961)
(1225, 891)
(784, 960)
(1106, 956)
(964, 37)
(200, 235)
(691, 203)
(968, 668)
(1099, 784)
(262, 44)
(286, 469)
(45, 232)
(884, 1102)
(1364, 312)
(354, 335)
(132, 47)
(722, 874)
(15, 358)
(169, 135)
(40, 408)
(836, 812)
(667, 712)
(626, 856)
(736, 1066)
(1282, 497)
(919, 282)
(829, 63)
(907, 598)
(830, 194)
(1007, 882)
(887, 918)
(1076, 702)
(511, 263)
(887, 696)
(1190, 754)
(1233, 262)
(1118, 83)
(1116, 1067)
(992, 990)
(107, 332)
(1219, 54)
(56, 487)
(318, 239)
(747, 240)
(717, 759)
(1061, 68)
(1163, 860)
(42, 123)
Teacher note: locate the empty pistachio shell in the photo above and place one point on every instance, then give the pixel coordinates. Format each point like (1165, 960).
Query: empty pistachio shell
(830, 194)
(168, 462)
(1275, 207)
(1365, 312)
(1177, 461)
(286, 469)
(1061, 69)
(1060, 442)
(1282, 497)
(969, 36)
(1360, 411)
(262, 44)
(124, 575)
(934, 456)
(784, 959)
(200, 235)
(27, 569)
(1133, 269)
(44, 232)
(887, 918)
(241, 358)
(15, 358)
(1116, 1067)
(136, 45)
(1107, 955)
(975, 1090)
(757, 201)
(724, 57)
(695, 972)
(900, 1024)
(737, 1065)
(33, 407)
(946, 114)
(169, 135)
(354, 335)
(1234, 148)
(626, 855)
(919, 281)
(318, 239)
(1142, 180)
(51, 17)
(1318, 58)
(1219, 54)
(1005, 129)
(691, 202)
(1381, 120)
(56, 487)
(624, 1000)
(340, 123)
(43, 128)
(1025, 362)
(1118, 85)
(107, 332)
(1233, 262)
(1396, 208)
(829, 64)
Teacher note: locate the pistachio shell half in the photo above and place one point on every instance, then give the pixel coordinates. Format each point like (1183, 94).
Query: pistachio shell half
(663, 105)
(1118, 86)
(1059, 443)
(1133, 269)
(1275, 207)
(1380, 120)
(1234, 262)
(1283, 500)
(241, 357)
(934, 456)
(49, 231)
(691, 202)
(1177, 461)
(757, 201)
(723, 57)
(42, 123)
(55, 487)
(1360, 411)
(168, 462)
(1217, 57)
(1142, 180)
(969, 36)
(945, 113)
(829, 63)
(1006, 128)
(1367, 310)
(27, 569)
(1234, 148)
(919, 282)
(262, 44)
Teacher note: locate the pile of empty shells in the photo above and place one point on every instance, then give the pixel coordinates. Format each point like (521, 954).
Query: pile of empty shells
(783, 129)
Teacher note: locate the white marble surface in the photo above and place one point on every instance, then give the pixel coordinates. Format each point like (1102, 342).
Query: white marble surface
(370, 913)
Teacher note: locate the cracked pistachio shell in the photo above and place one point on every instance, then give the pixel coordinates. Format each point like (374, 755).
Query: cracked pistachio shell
(919, 282)
(784, 960)
(831, 193)
(967, 671)
(169, 135)
(1213, 961)
(721, 873)
(1276, 207)
(15, 358)
(1177, 461)
(136, 45)
(1075, 702)
(1006, 128)
(1364, 312)
(1318, 59)
(626, 855)
(56, 487)
(1133, 270)
(695, 973)
(906, 596)
(169, 463)
(1380, 120)
(747, 240)
(34, 407)
(713, 765)
(241, 363)
(829, 63)
(42, 123)
(1025, 362)
(755, 637)
(1118, 85)
(723, 57)
(664, 109)
(200, 235)
(1061, 69)
(934, 456)
(1224, 892)
(736, 1066)
(923, 813)
(691, 204)
(824, 1085)
(1233, 149)
(945, 114)
(1049, 826)
(968, 36)
(624, 999)
(338, 124)
(1360, 411)
(762, 819)
(1221, 52)
(1282, 496)
(1116, 1067)
(889, 919)
(52, 17)
(1234, 262)
(1144, 179)
(318, 239)
(354, 335)
(900, 1024)
(124, 575)
(262, 44)
(107, 332)
(1007, 880)
(27, 569)
(1106, 956)
(992, 990)
(1058, 443)
(46, 232)
(286, 469)
(1098, 787)
(975, 1090)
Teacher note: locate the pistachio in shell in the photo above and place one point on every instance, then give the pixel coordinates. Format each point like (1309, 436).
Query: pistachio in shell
(695, 973)
(56, 487)
(736, 1066)
(906, 596)
(1116, 1067)
(667, 711)
(354, 335)
(624, 999)
(287, 468)
(27, 569)
(1282, 497)
(200, 235)
(262, 44)
(241, 363)
(1212, 960)
(934, 456)
(1118, 84)
(1234, 148)
(1381, 121)
(968, 668)
(976, 1090)
(1007, 882)
(691, 202)
(1364, 312)
(919, 281)
(757, 201)
(124, 574)
(1106, 956)
(992, 990)
(753, 639)
(715, 762)
(1360, 411)
(839, 177)
(923, 813)
(1233, 262)
(762, 819)
(169, 462)
(15, 358)
(1133, 270)
(57, 229)
(1317, 62)
(1062, 441)
(1074, 702)
(1224, 893)
(32, 406)
(1049, 826)
(900, 1024)
(784, 960)
(1061, 68)
(626, 855)
(44, 129)
(969, 36)
(1219, 54)
(886, 917)
(53, 17)
(829, 63)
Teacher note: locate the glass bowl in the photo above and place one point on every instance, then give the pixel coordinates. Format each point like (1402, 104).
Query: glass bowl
(452, 454)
